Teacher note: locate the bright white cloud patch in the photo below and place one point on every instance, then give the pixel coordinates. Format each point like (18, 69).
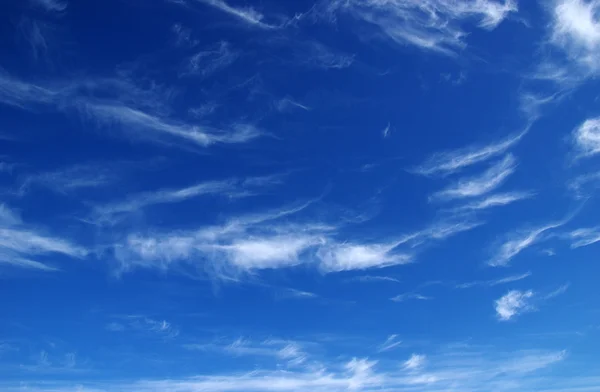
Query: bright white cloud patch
(345, 257)
(587, 137)
(513, 303)
(415, 362)
(575, 29)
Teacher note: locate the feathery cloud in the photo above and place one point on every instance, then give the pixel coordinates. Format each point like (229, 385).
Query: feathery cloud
(207, 62)
(494, 282)
(496, 200)
(479, 185)
(586, 137)
(248, 15)
(143, 325)
(450, 162)
(51, 5)
(584, 237)
(317, 55)
(409, 296)
(513, 303)
(431, 25)
(415, 362)
(518, 243)
(390, 343)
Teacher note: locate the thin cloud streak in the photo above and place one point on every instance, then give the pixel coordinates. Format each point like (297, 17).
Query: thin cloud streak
(494, 282)
(496, 200)
(479, 185)
(519, 242)
(247, 15)
(450, 162)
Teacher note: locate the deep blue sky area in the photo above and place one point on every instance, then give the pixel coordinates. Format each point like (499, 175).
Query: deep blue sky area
(294, 196)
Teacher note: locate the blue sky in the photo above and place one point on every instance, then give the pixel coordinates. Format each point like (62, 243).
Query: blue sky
(342, 195)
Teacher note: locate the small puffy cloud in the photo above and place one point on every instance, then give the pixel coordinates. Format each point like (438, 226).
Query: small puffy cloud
(586, 137)
(513, 303)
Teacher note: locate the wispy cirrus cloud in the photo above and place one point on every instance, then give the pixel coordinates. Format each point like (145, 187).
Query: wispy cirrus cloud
(430, 25)
(317, 55)
(390, 343)
(584, 237)
(463, 370)
(21, 245)
(495, 200)
(248, 15)
(143, 325)
(111, 212)
(415, 362)
(410, 296)
(289, 352)
(207, 62)
(450, 162)
(513, 303)
(518, 242)
(481, 184)
(51, 5)
(494, 282)
(136, 112)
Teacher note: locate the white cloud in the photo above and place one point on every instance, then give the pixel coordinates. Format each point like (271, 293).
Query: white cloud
(318, 55)
(144, 325)
(390, 343)
(371, 278)
(347, 257)
(19, 245)
(575, 30)
(289, 352)
(513, 303)
(496, 200)
(494, 282)
(287, 103)
(268, 252)
(587, 137)
(479, 185)
(386, 130)
(460, 370)
(248, 15)
(450, 162)
(51, 5)
(138, 123)
(207, 62)
(518, 243)
(415, 362)
(409, 296)
(137, 112)
(584, 237)
(559, 291)
(431, 25)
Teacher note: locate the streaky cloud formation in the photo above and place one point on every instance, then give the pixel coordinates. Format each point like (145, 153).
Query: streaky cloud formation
(513, 303)
(409, 296)
(390, 343)
(450, 162)
(584, 237)
(495, 200)
(248, 15)
(479, 185)
(346, 257)
(518, 242)
(51, 5)
(430, 25)
(495, 282)
(415, 362)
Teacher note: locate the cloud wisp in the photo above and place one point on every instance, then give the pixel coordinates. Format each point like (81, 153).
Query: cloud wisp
(143, 325)
(494, 282)
(21, 245)
(481, 184)
(430, 25)
(248, 15)
(450, 162)
(495, 200)
(584, 237)
(390, 343)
